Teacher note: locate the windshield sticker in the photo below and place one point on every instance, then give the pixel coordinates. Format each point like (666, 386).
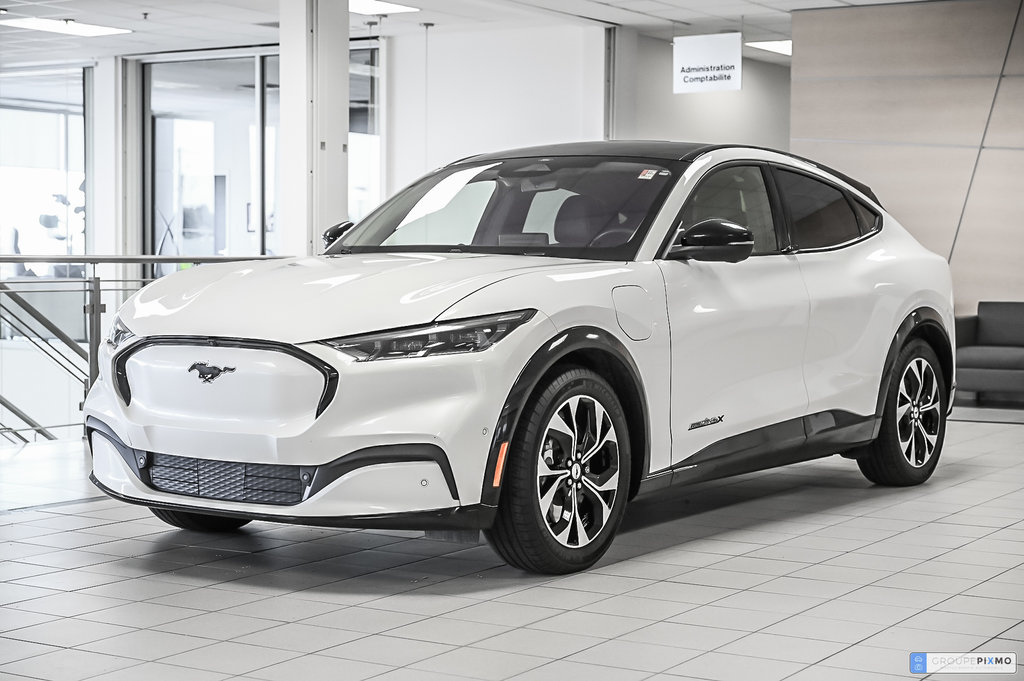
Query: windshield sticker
(648, 174)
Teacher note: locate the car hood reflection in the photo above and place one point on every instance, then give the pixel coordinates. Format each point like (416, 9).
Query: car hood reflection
(312, 298)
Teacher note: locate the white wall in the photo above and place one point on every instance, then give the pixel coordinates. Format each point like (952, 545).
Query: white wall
(487, 91)
(647, 108)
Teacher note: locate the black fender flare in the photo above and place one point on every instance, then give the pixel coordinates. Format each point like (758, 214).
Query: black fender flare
(557, 348)
(926, 323)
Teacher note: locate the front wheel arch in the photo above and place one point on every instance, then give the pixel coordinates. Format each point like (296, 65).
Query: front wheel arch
(604, 354)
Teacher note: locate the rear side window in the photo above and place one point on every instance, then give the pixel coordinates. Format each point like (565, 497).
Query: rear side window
(821, 215)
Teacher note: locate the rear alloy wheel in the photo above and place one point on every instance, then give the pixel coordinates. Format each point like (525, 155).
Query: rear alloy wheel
(567, 478)
(199, 522)
(913, 421)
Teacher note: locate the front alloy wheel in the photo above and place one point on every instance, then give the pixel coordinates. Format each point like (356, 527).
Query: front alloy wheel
(913, 421)
(567, 476)
(578, 471)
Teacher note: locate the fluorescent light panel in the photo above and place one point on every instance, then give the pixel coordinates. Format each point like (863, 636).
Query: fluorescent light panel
(777, 46)
(376, 7)
(65, 26)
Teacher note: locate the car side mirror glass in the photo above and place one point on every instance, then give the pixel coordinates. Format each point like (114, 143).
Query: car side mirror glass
(335, 232)
(712, 240)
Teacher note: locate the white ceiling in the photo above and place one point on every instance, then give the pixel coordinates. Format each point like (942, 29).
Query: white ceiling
(167, 25)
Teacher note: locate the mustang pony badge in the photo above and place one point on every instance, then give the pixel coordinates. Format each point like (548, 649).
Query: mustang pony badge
(208, 373)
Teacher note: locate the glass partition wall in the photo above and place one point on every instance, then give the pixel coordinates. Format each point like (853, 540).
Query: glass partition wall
(205, 157)
(364, 150)
(42, 212)
(212, 152)
(42, 167)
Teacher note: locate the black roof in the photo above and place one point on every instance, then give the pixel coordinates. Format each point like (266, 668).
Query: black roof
(669, 151)
(653, 149)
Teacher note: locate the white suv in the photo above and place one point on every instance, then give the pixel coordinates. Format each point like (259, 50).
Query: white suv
(522, 342)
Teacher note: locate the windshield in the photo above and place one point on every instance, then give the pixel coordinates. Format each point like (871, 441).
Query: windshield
(577, 207)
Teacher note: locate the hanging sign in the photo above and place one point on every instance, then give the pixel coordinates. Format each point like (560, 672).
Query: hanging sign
(707, 63)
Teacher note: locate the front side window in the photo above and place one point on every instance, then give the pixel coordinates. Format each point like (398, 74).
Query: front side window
(739, 195)
(590, 207)
(821, 216)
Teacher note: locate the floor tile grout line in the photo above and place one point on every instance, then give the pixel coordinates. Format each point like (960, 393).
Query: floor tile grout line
(993, 530)
(932, 606)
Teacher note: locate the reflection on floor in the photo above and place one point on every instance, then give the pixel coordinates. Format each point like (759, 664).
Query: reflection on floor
(987, 414)
(805, 573)
(46, 472)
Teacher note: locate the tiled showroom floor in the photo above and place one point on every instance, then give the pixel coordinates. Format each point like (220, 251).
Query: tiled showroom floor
(801, 573)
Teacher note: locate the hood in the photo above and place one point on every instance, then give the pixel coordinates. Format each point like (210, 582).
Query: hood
(313, 298)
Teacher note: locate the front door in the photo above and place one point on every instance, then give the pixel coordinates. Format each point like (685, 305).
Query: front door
(737, 329)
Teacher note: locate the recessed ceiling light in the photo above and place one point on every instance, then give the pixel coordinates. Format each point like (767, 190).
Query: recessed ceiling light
(65, 26)
(375, 7)
(777, 46)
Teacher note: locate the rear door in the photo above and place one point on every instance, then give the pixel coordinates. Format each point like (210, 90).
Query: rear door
(737, 329)
(849, 327)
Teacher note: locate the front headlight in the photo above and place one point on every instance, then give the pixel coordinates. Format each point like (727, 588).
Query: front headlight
(119, 333)
(441, 338)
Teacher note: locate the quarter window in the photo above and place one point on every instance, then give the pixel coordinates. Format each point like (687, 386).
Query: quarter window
(737, 194)
(821, 215)
(867, 217)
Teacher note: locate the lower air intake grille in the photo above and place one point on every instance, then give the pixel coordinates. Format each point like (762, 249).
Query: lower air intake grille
(226, 480)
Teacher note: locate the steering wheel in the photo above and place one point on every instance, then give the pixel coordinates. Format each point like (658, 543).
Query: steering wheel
(616, 236)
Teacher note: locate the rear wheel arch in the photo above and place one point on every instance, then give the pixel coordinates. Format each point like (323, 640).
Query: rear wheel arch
(591, 348)
(924, 323)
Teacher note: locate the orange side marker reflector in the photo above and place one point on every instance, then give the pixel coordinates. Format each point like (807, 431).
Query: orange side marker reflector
(500, 466)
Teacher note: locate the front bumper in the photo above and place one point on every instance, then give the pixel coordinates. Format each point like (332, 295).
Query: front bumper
(410, 482)
(402, 443)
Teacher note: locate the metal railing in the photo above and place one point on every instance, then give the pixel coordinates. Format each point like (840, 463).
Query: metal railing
(52, 327)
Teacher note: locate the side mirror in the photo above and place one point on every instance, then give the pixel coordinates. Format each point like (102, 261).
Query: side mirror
(712, 240)
(335, 232)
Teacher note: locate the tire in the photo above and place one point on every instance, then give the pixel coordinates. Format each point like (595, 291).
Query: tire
(913, 421)
(199, 522)
(562, 499)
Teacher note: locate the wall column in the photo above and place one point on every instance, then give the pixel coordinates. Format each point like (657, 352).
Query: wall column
(314, 121)
(105, 232)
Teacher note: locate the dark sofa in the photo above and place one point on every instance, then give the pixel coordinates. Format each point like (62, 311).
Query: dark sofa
(990, 349)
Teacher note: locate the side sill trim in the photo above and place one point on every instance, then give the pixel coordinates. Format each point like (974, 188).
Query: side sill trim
(800, 439)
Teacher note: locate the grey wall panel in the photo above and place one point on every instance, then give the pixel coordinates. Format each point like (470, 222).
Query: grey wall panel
(758, 114)
(1007, 126)
(899, 97)
(922, 187)
(903, 110)
(1015, 60)
(988, 262)
(957, 38)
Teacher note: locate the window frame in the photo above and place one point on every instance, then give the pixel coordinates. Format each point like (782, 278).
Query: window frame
(793, 246)
(779, 219)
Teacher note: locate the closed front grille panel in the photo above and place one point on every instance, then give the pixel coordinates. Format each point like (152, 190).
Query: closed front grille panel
(226, 480)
